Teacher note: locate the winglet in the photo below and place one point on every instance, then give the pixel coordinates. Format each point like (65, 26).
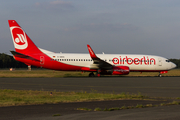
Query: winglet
(91, 52)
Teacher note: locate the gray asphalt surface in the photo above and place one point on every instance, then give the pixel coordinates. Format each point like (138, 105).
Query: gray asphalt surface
(150, 86)
(154, 113)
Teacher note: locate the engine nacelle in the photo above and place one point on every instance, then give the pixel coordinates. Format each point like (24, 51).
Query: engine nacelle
(120, 70)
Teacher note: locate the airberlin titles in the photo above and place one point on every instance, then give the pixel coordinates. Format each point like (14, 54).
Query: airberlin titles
(136, 61)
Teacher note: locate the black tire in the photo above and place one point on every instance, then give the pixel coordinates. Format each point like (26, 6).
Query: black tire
(91, 74)
(159, 75)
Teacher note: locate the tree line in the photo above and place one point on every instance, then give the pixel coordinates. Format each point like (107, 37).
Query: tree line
(7, 61)
(176, 61)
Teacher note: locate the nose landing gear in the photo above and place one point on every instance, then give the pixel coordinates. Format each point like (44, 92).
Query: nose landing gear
(159, 75)
(162, 72)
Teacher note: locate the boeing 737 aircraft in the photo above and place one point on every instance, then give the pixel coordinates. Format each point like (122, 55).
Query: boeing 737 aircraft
(101, 64)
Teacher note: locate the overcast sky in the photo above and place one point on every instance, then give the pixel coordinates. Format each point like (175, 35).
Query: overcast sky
(109, 26)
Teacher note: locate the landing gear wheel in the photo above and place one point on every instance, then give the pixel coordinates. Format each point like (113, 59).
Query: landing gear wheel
(91, 74)
(159, 75)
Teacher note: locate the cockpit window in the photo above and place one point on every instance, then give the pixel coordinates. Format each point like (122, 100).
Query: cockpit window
(167, 61)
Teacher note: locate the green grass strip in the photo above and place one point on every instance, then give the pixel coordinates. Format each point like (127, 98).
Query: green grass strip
(29, 97)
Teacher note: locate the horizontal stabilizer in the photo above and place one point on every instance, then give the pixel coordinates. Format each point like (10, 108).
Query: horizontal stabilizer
(16, 54)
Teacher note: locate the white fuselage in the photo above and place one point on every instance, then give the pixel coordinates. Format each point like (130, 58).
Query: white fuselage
(134, 62)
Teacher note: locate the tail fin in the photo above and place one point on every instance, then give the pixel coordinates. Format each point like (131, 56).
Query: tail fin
(22, 43)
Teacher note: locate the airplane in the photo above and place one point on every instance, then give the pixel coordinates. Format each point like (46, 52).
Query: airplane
(100, 64)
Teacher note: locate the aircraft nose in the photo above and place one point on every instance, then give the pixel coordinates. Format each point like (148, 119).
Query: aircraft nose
(173, 65)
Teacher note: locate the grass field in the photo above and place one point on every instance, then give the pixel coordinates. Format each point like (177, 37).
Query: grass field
(39, 73)
(52, 73)
(29, 97)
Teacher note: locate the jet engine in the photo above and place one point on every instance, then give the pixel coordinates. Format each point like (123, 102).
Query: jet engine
(120, 70)
(116, 70)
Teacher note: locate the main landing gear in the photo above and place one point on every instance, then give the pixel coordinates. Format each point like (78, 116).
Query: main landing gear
(91, 74)
(96, 75)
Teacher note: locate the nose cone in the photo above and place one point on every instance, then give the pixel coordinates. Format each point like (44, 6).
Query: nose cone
(173, 65)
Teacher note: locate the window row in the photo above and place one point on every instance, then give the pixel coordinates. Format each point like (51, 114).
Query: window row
(104, 60)
(71, 59)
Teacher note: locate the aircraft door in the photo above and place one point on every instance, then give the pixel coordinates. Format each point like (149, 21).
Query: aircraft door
(41, 60)
(160, 62)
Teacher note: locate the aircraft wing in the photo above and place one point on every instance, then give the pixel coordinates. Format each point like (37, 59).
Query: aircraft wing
(16, 54)
(99, 63)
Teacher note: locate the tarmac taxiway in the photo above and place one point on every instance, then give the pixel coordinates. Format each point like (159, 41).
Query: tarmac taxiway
(150, 86)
